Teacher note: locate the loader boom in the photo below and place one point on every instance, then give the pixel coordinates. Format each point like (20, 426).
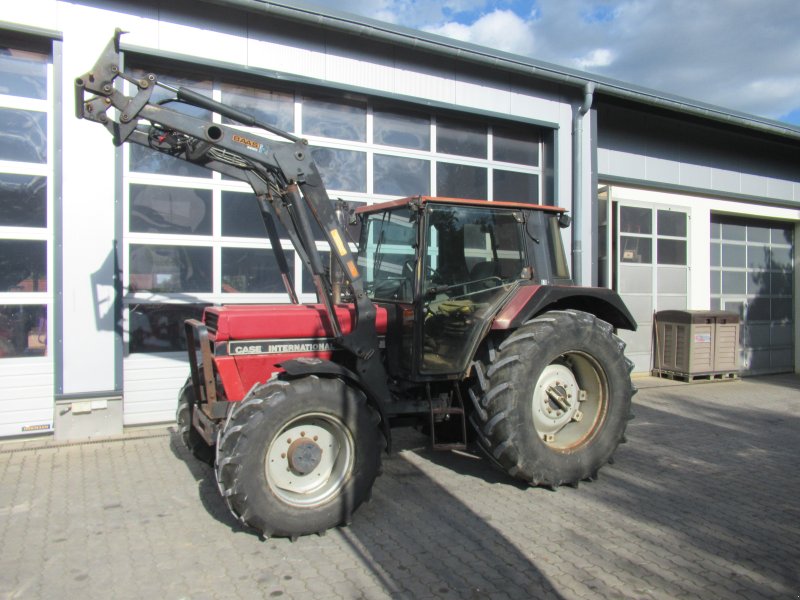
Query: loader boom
(286, 182)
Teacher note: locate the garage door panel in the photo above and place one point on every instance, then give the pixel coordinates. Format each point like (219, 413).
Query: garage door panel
(760, 290)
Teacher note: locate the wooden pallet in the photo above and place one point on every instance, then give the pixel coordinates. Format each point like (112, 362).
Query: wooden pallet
(696, 377)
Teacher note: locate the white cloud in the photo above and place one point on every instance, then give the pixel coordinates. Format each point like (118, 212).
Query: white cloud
(500, 30)
(597, 58)
(739, 54)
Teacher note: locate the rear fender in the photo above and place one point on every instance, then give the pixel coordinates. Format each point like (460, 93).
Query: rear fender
(530, 301)
(303, 367)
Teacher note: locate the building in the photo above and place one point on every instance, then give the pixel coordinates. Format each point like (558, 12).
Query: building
(104, 251)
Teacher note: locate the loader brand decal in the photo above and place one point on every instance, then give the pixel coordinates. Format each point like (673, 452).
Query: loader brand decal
(279, 347)
(251, 144)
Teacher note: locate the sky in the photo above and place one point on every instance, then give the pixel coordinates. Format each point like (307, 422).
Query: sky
(738, 54)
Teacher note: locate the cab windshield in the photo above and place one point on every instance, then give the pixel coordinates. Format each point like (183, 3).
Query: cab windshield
(386, 255)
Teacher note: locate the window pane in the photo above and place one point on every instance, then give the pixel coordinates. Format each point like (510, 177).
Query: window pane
(515, 146)
(23, 73)
(252, 270)
(460, 137)
(160, 209)
(168, 269)
(24, 135)
(734, 256)
(159, 327)
(461, 181)
(401, 176)
(145, 160)
(272, 108)
(671, 252)
(344, 170)
(782, 235)
(516, 187)
(241, 217)
(339, 120)
(636, 249)
(671, 223)
(401, 129)
(23, 200)
(635, 220)
(23, 331)
(23, 266)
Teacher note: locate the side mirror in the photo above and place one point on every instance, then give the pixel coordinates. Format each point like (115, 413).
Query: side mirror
(564, 220)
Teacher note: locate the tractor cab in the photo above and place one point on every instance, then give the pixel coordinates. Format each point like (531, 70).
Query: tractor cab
(444, 267)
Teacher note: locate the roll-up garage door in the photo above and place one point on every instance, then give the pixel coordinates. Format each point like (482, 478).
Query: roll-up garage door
(752, 274)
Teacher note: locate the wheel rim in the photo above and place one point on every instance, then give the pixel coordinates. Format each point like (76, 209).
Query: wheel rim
(310, 460)
(570, 401)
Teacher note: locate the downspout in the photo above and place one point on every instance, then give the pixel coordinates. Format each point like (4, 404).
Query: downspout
(577, 182)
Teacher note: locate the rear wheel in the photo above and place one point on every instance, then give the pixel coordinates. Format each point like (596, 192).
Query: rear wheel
(299, 457)
(553, 404)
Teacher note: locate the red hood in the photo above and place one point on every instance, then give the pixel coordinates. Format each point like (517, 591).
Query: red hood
(281, 321)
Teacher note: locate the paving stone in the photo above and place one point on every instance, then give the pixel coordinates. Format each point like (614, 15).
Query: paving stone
(702, 503)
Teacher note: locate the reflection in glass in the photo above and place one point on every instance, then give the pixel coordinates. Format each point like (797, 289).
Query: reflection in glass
(169, 269)
(161, 209)
(159, 327)
(23, 135)
(461, 181)
(23, 266)
(463, 138)
(516, 187)
(344, 170)
(252, 270)
(145, 160)
(270, 107)
(518, 145)
(23, 331)
(401, 129)
(335, 119)
(23, 73)
(23, 200)
(398, 176)
(241, 216)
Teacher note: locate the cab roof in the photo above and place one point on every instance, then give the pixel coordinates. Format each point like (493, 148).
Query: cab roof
(422, 200)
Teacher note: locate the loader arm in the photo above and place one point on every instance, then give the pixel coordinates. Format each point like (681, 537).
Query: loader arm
(286, 182)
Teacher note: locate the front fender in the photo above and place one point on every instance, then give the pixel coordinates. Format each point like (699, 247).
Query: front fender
(303, 367)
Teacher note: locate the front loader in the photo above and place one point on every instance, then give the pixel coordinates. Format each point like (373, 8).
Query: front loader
(458, 316)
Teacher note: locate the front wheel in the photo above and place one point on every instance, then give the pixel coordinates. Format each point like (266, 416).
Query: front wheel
(298, 457)
(554, 402)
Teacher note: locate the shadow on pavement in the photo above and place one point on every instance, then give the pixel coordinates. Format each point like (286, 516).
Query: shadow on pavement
(207, 490)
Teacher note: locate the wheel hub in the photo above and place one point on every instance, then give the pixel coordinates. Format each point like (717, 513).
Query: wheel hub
(304, 456)
(310, 460)
(556, 401)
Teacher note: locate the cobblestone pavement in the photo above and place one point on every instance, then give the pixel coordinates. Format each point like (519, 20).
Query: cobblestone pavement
(704, 502)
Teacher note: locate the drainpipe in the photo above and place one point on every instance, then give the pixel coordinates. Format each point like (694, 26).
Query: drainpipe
(577, 182)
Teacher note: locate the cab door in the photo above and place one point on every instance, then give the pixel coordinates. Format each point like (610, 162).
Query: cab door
(472, 256)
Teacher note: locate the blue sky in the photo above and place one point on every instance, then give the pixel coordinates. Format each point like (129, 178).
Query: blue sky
(739, 54)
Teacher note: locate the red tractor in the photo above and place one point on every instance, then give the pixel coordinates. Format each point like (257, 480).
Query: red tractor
(456, 315)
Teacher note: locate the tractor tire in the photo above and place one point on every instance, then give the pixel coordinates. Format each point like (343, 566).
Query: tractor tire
(552, 405)
(189, 435)
(298, 457)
